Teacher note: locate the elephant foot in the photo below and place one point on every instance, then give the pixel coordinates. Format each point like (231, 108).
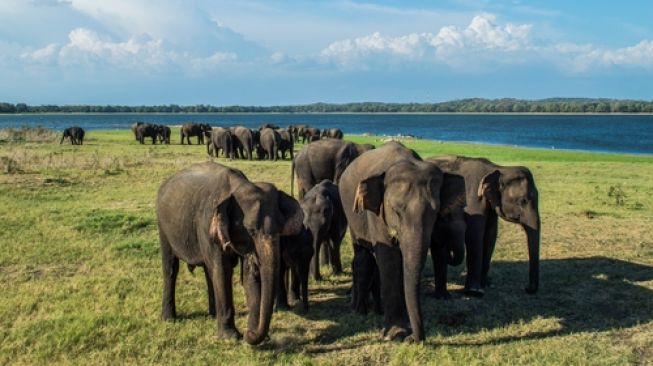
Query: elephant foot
(531, 289)
(486, 282)
(282, 306)
(230, 334)
(360, 307)
(395, 333)
(474, 291)
(303, 309)
(168, 315)
(442, 295)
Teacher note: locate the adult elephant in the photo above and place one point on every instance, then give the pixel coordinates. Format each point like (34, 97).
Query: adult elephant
(147, 130)
(295, 131)
(221, 139)
(194, 129)
(332, 133)
(310, 134)
(74, 134)
(244, 142)
(210, 215)
(323, 159)
(494, 191)
(270, 141)
(134, 126)
(286, 144)
(391, 199)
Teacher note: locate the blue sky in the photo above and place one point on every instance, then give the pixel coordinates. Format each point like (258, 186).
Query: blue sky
(294, 52)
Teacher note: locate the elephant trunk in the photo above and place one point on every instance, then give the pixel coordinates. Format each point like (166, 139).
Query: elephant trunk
(531, 224)
(268, 255)
(413, 262)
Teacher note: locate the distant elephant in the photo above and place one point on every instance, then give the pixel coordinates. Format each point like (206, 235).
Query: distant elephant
(296, 254)
(163, 132)
(495, 191)
(325, 218)
(133, 127)
(221, 139)
(210, 215)
(75, 134)
(391, 199)
(200, 130)
(147, 130)
(365, 281)
(310, 134)
(269, 142)
(286, 144)
(268, 125)
(295, 131)
(332, 133)
(323, 159)
(244, 142)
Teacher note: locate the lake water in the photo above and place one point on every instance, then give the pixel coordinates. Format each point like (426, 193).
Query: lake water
(605, 133)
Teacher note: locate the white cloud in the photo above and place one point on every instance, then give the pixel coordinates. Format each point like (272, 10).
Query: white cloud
(575, 58)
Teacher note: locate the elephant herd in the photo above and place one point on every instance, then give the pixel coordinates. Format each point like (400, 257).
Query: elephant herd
(396, 205)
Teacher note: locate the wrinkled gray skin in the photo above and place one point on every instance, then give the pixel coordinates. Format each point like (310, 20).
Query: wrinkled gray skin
(332, 133)
(221, 139)
(323, 159)
(325, 218)
(210, 215)
(269, 141)
(495, 191)
(75, 134)
(163, 133)
(286, 144)
(147, 130)
(365, 281)
(310, 134)
(133, 127)
(391, 199)
(296, 254)
(200, 130)
(244, 142)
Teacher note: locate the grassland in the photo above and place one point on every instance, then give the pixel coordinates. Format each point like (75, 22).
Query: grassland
(80, 269)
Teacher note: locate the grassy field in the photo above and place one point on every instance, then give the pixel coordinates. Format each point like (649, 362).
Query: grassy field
(80, 272)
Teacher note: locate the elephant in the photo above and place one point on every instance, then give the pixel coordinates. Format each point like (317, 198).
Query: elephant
(296, 254)
(311, 134)
(295, 131)
(200, 130)
(269, 142)
(210, 215)
(75, 134)
(268, 125)
(324, 217)
(332, 133)
(163, 132)
(365, 281)
(391, 199)
(323, 159)
(147, 130)
(134, 126)
(221, 139)
(286, 144)
(244, 142)
(494, 191)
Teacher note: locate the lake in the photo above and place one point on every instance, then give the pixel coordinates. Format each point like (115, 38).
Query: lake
(603, 133)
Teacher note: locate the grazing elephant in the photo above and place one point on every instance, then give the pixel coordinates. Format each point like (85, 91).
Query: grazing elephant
(147, 130)
(311, 134)
(195, 129)
(286, 144)
(221, 139)
(323, 159)
(495, 191)
(210, 215)
(325, 218)
(163, 132)
(332, 133)
(269, 142)
(296, 254)
(244, 142)
(75, 134)
(391, 199)
(134, 126)
(365, 281)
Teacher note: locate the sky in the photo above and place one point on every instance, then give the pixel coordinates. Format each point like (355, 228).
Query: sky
(144, 52)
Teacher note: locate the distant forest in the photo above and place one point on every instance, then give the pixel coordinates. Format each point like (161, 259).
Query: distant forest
(476, 105)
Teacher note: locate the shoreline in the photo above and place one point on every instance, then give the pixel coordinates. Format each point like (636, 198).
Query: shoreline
(330, 113)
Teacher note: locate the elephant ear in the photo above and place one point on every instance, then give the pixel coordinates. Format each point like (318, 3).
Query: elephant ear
(369, 194)
(219, 227)
(489, 188)
(293, 216)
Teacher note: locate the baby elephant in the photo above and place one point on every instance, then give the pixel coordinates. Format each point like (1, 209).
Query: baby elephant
(325, 218)
(366, 281)
(75, 134)
(296, 254)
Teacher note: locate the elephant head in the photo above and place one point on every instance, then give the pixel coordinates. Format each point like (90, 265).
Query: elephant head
(511, 192)
(407, 198)
(249, 222)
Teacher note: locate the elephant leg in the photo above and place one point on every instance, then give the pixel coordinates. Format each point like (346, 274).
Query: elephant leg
(170, 265)
(489, 241)
(359, 294)
(375, 288)
(209, 292)
(334, 257)
(315, 261)
(439, 257)
(395, 322)
(221, 271)
(282, 286)
(474, 246)
(324, 255)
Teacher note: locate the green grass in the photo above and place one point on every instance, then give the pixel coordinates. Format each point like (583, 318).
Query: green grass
(80, 268)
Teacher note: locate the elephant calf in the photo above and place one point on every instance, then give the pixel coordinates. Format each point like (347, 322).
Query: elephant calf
(75, 134)
(365, 280)
(296, 254)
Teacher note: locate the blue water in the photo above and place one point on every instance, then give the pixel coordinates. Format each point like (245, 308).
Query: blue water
(605, 133)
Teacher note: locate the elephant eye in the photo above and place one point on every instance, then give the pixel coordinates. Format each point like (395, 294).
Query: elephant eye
(523, 201)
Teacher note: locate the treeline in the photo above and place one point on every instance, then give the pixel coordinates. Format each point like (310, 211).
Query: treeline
(476, 105)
